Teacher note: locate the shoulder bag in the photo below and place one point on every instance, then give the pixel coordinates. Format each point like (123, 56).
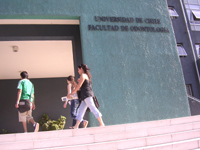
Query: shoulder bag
(96, 102)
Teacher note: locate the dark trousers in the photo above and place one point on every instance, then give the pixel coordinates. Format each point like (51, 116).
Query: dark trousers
(73, 110)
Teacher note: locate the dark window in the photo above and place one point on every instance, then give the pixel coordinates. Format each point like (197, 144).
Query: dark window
(189, 89)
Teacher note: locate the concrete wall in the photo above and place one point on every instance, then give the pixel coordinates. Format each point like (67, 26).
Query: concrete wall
(136, 75)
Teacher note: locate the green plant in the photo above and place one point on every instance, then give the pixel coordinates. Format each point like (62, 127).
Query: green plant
(48, 124)
(4, 131)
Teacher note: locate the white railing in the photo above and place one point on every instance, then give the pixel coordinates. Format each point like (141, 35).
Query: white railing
(194, 98)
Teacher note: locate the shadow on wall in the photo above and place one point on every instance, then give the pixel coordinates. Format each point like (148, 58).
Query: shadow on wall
(194, 108)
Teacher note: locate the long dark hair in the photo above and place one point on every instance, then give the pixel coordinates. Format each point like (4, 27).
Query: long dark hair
(86, 70)
(72, 81)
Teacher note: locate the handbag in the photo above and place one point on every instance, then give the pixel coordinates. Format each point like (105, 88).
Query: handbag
(96, 102)
(25, 104)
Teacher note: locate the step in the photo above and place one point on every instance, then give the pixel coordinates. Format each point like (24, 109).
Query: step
(145, 141)
(133, 145)
(191, 144)
(169, 123)
(106, 136)
(145, 133)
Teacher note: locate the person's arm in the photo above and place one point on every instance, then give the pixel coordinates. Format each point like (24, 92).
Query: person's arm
(18, 97)
(33, 104)
(69, 87)
(81, 80)
(68, 92)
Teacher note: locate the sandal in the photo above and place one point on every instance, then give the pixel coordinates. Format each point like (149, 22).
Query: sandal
(73, 128)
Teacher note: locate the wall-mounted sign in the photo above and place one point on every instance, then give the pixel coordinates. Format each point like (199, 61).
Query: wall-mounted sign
(143, 27)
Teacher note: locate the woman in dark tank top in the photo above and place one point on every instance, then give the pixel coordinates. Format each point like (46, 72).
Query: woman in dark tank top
(86, 90)
(87, 94)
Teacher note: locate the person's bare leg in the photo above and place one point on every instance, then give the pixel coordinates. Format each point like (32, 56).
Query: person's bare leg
(24, 126)
(101, 124)
(85, 123)
(76, 125)
(32, 121)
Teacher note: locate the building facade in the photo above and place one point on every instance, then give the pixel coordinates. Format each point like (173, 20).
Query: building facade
(184, 17)
(129, 46)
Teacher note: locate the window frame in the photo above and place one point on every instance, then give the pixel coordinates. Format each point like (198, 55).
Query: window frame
(197, 46)
(189, 89)
(174, 13)
(183, 52)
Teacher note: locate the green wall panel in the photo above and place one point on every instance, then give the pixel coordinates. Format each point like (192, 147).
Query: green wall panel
(136, 74)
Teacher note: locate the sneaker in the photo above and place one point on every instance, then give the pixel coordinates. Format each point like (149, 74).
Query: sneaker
(37, 126)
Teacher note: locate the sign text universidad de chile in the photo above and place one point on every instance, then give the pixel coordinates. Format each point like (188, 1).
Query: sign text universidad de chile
(143, 28)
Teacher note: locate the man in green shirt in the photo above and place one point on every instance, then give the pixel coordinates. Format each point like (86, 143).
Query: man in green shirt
(26, 92)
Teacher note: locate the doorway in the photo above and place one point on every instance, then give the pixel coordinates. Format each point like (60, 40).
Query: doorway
(49, 53)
